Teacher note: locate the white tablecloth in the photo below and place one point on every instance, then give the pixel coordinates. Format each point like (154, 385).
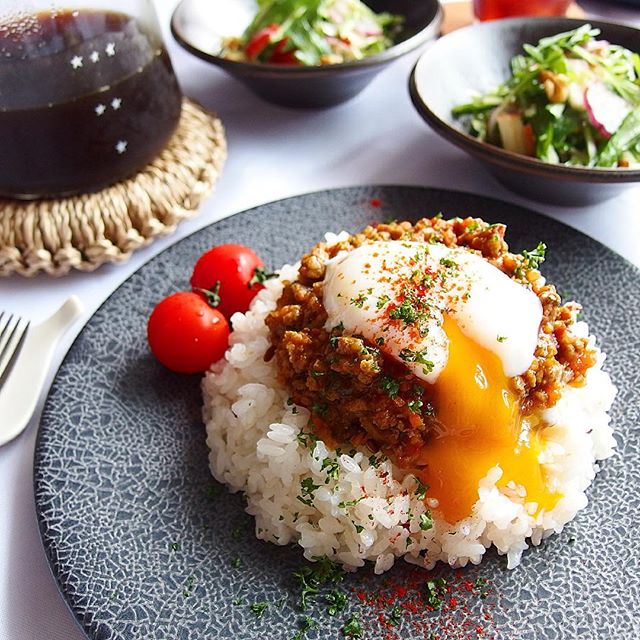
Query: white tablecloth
(273, 153)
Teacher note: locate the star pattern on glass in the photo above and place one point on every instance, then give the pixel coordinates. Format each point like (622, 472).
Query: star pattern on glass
(110, 49)
(94, 57)
(116, 103)
(121, 146)
(100, 109)
(76, 62)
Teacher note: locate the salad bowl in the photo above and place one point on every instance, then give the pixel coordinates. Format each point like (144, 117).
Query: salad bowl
(476, 59)
(200, 26)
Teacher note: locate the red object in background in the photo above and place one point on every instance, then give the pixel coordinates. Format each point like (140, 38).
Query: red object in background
(495, 9)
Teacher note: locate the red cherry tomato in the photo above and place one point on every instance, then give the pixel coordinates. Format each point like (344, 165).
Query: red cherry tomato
(260, 41)
(234, 267)
(280, 56)
(186, 334)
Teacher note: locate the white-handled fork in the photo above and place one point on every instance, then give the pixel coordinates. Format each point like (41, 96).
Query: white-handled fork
(25, 356)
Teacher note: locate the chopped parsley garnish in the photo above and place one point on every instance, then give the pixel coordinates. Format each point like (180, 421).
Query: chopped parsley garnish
(359, 528)
(501, 338)
(534, 258)
(333, 341)
(174, 546)
(405, 312)
(379, 341)
(395, 616)
(415, 405)
(306, 624)
(353, 628)
(421, 489)
(419, 357)
(382, 300)
(259, 276)
(316, 374)
(481, 585)
(376, 460)
(389, 385)
(426, 521)
(320, 408)
(349, 503)
(188, 586)
(236, 563)
(307, 490)
(307, 439)
(336, 600)
(369, 351)
(448, 262)
(237, 601)
(359, 300)
(258, 608)
(435, 591)
(311, 578)
(332, 467)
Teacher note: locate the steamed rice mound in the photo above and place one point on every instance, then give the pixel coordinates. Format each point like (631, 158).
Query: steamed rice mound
(354, 506)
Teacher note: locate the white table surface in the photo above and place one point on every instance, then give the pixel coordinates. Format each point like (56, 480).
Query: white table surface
(273, 153)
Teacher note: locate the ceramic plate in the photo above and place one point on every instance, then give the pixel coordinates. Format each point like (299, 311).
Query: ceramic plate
(144, 544)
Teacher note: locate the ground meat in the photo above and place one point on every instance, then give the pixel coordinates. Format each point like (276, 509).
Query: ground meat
(357, 394)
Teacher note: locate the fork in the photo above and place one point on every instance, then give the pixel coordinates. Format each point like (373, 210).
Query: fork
(26, 353)
(12, 331)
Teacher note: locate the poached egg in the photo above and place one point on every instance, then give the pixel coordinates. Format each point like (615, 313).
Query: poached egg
(463, 328)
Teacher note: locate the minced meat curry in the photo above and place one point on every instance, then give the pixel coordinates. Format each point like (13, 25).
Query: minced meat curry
(358, 395)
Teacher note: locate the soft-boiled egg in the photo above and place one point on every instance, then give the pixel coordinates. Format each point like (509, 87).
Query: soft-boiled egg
(463, 328)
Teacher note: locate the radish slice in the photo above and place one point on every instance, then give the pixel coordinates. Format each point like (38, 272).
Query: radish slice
(606, 109)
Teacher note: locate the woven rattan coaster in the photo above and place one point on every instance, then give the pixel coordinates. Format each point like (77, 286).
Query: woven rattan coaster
(83, 232)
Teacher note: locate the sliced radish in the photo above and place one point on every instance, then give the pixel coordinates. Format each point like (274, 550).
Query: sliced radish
(605, 108)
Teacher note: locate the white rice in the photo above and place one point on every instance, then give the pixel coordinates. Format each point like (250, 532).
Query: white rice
(253, 435)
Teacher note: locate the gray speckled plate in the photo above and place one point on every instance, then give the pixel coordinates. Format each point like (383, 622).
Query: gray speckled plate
(142, 541)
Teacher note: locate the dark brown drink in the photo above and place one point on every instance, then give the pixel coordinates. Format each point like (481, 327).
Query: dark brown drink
(86, 99)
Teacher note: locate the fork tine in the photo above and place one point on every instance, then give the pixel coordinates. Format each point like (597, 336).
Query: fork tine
(5, 318)
(6, 328)
(10, 347)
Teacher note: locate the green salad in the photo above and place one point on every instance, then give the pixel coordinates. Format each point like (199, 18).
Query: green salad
(312, 32)
(571, 99)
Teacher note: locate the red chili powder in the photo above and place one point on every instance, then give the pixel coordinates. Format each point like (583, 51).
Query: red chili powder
(450, 615)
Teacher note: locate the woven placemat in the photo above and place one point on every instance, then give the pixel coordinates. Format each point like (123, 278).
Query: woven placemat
(85, 231)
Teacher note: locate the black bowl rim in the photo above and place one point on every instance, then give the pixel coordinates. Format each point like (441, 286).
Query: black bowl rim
(502, 157)
(429, 31)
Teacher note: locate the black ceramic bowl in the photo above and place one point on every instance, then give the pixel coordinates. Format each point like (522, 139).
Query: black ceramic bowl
(200, 25)
(475, 60)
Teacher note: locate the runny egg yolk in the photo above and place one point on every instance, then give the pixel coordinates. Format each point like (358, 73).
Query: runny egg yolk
(480, 426)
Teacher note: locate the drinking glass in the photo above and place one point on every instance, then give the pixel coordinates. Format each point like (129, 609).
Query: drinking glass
(87, 94)
(495, 9)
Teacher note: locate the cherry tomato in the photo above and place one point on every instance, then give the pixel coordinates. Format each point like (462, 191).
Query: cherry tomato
(186, 334)
(233, 266)
(280, 56)
(260, 41)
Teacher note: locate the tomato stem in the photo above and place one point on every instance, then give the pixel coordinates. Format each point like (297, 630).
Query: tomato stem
(259, 276)
(212, 296)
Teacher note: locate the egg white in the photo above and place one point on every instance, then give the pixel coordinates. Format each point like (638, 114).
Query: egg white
(496, 312)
